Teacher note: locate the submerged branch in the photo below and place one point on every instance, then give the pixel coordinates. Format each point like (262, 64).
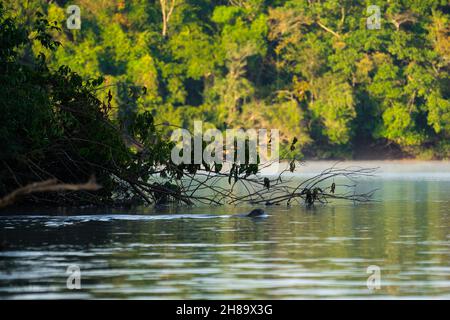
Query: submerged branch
(257, 189)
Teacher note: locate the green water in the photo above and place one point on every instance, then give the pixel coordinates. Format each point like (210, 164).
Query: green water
(204, 253)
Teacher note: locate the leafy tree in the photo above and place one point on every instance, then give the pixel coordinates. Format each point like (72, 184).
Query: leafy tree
(349, 86)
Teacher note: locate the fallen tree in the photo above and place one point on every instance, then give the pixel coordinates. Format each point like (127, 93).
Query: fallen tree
(207, 187)
(56, 133)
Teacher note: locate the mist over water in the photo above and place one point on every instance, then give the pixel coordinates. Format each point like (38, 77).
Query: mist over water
(207, 253)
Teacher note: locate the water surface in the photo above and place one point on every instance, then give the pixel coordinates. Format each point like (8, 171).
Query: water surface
(205, 253)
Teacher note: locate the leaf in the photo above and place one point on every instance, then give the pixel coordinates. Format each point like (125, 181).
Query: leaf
(292, 166)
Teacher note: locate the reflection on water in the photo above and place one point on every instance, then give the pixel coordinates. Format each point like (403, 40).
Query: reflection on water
(206, 253)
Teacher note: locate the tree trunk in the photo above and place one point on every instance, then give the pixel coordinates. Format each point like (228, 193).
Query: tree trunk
(167, 7)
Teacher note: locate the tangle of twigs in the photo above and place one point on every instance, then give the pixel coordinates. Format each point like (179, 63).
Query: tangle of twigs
(215, 188)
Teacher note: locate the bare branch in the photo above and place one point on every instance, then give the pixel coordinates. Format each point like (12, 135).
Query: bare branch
(50, 185)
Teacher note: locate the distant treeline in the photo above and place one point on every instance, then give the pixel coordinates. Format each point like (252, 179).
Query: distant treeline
(312, 69)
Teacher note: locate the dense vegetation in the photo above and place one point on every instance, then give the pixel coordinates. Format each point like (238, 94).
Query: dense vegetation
(310, 68)
(53, 126)
(98, 100)
(58, 134)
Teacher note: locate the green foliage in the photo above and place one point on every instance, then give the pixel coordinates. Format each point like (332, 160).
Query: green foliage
(335, 108)
(55, 126)
(310, 68)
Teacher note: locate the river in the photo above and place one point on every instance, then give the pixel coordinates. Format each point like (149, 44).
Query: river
(206, 253)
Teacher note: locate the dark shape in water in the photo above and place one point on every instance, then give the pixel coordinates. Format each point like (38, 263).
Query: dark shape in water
(256, 213)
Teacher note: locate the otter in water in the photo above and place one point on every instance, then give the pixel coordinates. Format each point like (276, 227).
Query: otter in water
(255, 213)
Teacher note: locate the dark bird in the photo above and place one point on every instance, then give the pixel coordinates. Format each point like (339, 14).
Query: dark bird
(309, 198)
(333, 187)
(267, 183)
(292, 166)
(316, 192)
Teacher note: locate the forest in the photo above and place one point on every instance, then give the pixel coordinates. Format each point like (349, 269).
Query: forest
(312, 69)
(97, 103)
(95, 203)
